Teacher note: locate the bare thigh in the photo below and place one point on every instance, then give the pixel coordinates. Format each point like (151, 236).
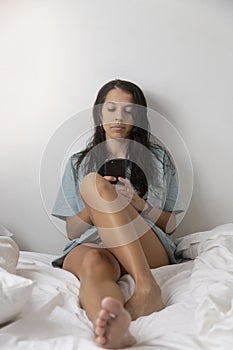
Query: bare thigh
(154, 250)
(73, 261)
(152, 246)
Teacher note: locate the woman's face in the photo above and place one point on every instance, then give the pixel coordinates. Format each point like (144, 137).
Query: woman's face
(117, 116)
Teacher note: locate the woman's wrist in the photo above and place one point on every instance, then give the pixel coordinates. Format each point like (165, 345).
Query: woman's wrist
(84, 215)
(141, 205)
(147, 209)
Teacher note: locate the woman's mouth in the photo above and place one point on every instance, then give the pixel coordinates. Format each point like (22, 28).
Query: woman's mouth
(117, 127)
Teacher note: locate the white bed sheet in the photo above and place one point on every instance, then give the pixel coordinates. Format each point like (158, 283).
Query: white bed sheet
(198, 295)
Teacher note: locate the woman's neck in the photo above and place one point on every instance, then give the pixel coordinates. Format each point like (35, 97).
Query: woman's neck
(117, 148)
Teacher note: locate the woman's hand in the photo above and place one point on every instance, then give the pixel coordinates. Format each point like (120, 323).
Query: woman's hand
(165, 220)
(128, 192)
(110, 178)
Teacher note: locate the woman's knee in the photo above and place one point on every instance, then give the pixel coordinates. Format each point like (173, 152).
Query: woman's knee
(92, 180)
(81, 259)
(93, 259)
(94, 184)
(97, 261)
(99, 195)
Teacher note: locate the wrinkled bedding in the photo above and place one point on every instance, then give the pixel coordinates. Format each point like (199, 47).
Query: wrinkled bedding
(198, 295)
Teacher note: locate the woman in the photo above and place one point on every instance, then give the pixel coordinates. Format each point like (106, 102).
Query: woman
(122, 228)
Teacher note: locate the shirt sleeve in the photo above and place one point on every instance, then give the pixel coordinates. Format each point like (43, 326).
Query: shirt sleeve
(165, 193)
(173, 200)
(68, 201)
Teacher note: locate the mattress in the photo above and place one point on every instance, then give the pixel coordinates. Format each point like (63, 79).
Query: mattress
(197, 293)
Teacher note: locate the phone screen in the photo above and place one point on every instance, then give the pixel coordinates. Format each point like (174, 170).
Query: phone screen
(114, 167)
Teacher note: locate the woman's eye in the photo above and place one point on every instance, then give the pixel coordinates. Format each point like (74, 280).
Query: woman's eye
(111, 109)
(128, 111)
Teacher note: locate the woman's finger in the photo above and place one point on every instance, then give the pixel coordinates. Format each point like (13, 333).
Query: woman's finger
(126, 182)
(127, 186)
(110, 178)
(126, 191)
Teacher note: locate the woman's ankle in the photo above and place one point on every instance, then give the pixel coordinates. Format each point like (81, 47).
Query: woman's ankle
(146, 284)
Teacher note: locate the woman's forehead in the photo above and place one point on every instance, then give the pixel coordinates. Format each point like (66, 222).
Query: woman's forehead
(122, 104)
(119, 96)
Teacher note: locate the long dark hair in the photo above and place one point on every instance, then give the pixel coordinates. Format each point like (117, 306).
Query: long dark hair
(140, 133)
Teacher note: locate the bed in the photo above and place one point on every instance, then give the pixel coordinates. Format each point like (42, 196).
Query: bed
(39, 305)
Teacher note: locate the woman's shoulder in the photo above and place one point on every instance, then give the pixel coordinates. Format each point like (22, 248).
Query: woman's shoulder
(78, 158)
(159, 152)
(162, 155)
(79, 163)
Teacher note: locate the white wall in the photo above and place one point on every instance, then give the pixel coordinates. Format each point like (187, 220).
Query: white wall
(56, 54)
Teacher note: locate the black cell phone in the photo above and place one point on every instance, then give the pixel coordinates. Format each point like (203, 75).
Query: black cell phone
(114, 167)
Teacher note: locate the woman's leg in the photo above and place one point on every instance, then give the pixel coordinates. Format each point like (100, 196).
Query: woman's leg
(130, 239)
(98, 270)
(147, 294)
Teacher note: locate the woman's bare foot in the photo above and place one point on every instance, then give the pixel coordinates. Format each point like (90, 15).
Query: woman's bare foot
(145, 301)
(112, 325)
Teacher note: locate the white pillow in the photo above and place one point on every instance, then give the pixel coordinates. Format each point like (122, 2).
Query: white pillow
(194, 244)
(14, 293)
(9, 254)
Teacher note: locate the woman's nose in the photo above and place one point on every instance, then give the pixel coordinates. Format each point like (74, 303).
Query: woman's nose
(118, 119)
(119, 115)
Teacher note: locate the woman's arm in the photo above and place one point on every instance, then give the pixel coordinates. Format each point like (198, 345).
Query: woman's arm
(166, 220)
(78, 224)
